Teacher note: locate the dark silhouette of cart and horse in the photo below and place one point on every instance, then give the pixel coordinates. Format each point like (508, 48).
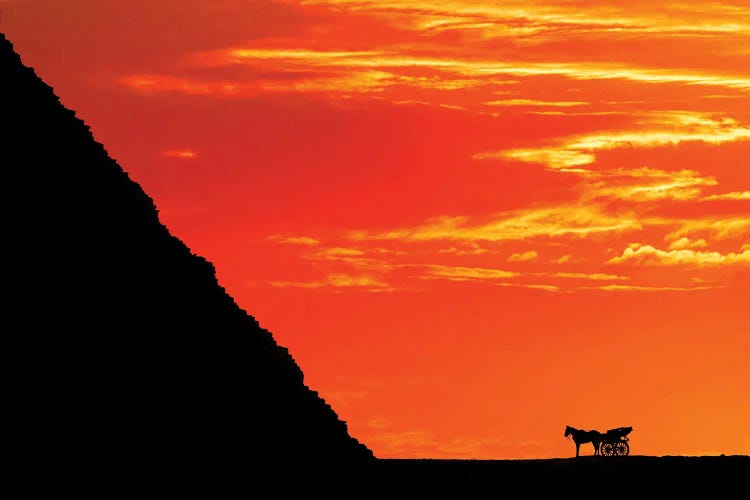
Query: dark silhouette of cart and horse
(612, 443)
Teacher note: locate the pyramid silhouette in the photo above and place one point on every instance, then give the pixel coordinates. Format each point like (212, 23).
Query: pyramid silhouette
(131, 364)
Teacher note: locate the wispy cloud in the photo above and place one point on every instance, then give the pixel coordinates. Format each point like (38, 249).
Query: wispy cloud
(535, 103)
(653, 129)
(591, 276)
(556, 20)
(647, 254)
(634, 288)
(185, 154)
(683, 243)
(718, 227)
(295, 240)
(338, 281)
(467, 273)
(736, 195)
(308, 69)
(553, 221)
(533, 286)
(646, 184)
(338, 252)
(523, 256)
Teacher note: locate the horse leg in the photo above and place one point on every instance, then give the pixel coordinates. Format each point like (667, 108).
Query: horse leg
(578, 446)
(595, 444)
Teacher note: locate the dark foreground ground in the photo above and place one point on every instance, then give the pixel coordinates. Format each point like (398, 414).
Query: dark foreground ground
(633, 476)
(584, 477)
(592, 474)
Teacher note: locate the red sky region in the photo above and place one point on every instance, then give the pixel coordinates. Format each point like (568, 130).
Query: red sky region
(472, 224)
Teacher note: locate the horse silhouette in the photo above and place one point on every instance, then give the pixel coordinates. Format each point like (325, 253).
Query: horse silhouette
(580, 437)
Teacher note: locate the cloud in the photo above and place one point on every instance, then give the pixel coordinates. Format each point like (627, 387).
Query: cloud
(645, 184)
(736, 195)
(547, 288)
(154, 83)
(345, 280)
(556, 158)
(549, 222)
(371, 260)
(470, 249)
(299, 284)
(339, 281)
(655, 128)
(591, 276)
(295, 240)
(389, 251)
(185, 154)
(646, 254)
(341, 252)
(633, 288)
(359, 82)
(396, 62)
(687, 243)
(538, 19)
(533, 102)
(523, 257)
(407, 62)
(467, 273)
(720, 228)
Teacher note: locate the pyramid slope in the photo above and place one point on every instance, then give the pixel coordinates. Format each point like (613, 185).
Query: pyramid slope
(132, 360)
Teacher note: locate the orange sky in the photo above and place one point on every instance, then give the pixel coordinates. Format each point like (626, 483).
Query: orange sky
(471, 222)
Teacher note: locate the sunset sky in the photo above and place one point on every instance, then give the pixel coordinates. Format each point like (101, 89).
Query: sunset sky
(471, 222)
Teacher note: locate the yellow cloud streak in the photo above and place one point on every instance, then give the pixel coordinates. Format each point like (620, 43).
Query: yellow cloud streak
(737, 195)
(661, 128)
(651, 184)
(564, 220)
(721, 228)
(468, 273)
(338, 281)
(683, 243)
(591, 276)
(163, 83)
(620, 288)
(341, 252)
(533, 102)
(294, 240)
(531, 17)
(548, 288)
(185, 154)
(647, 254)
(305, 58)
(523, 257)
(361, 81)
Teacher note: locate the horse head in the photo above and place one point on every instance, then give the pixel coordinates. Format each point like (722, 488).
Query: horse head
(568, 430)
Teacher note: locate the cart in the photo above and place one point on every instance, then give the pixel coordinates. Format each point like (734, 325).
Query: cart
(615, 442)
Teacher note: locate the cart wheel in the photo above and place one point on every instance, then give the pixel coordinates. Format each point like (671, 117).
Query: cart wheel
(622, 448)
(607, 449)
